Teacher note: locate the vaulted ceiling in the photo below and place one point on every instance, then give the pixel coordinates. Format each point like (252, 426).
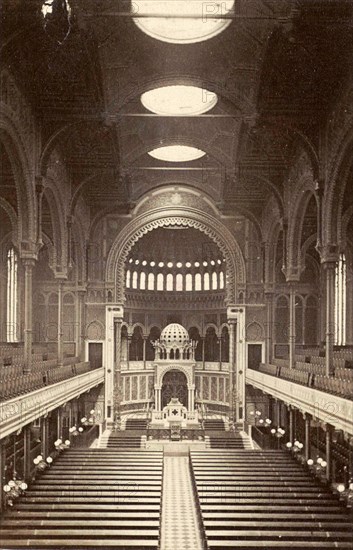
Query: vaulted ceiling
(277, 68)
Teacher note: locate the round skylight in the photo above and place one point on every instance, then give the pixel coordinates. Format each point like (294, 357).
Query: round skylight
(179, 100)
(181, 21)
(177, 153)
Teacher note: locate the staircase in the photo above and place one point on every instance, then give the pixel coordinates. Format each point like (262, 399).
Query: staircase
(227, 440)
(136, 424)
(90, 498)
(126, 439)
(265, 499)
(214, 425)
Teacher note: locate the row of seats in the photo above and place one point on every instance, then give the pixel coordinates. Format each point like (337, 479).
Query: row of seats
(90, 498)
(344, 353)
(265, 499)
(19, 383)
(316, 363)
(303, 375)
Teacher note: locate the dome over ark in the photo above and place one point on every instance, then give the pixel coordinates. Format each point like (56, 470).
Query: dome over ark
(174, 334)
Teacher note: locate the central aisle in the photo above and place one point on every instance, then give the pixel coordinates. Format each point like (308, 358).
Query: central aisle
(180, 527)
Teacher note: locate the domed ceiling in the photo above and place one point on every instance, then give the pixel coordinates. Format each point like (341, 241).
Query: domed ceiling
(173, 246)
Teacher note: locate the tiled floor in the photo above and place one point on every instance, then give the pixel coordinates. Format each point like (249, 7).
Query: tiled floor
(180, 528)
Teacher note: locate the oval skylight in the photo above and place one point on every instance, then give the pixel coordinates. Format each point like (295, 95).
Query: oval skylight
(181, 21)
(177, 153)
(179, 100)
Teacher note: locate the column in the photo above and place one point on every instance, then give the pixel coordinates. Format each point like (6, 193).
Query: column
(117, 369)
(269, 326)
(80, 328)
(307, 448)
(192, 407)
(291, 425)
(44, 435)
(157, 398)
(328, 451)
(59, 415)
(330, 268)
(292, 326)
(203, 352)
(232, 326)
(220, 352)
(60, 322)
(2, 471)
(28, 320)
(144, 350)
(129, 337)
(27, 462)
(39, 195)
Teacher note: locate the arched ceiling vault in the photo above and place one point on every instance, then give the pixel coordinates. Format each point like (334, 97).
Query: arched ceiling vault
(272, 69)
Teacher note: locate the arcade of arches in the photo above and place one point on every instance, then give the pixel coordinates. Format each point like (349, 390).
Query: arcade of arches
(176, 226)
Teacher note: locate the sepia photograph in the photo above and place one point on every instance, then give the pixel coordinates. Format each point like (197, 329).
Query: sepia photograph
(176, 274)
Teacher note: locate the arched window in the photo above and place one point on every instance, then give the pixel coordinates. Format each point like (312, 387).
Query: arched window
(150, 284)
(179, 282)
(11, 318)
(214, 281)
(160, 281)
(340, 301)
(206, 281)
(188, 282)
(128, 278)
(169, 282)
(198, 285)
(134, 279)
(221, 280)
(143, 281)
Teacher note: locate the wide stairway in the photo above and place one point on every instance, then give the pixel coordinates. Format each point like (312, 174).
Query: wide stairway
(216, 437)
(124, 439)
(136, 424)
(90, 498)
(265, 499)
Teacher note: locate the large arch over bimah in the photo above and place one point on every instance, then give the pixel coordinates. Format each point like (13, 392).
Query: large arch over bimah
(216, 231)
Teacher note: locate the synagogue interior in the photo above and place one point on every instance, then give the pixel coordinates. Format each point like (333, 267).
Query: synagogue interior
(176, 275)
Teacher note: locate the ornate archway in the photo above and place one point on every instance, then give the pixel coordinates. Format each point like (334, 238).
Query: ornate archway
(181, 216)
(174, 384)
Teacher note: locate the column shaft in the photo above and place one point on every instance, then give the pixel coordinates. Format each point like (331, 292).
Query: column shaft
(144, 351)
(117, 369)
(231, 369)
(292, 331)
(269, 327)
(203, 352)
(328, 452)
(291, 425)
(27, 463)
(330, 314)
(60, 324)
(307, 449)
(28, 320)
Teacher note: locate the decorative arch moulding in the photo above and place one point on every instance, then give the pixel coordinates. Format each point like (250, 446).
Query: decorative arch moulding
(187, 217)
